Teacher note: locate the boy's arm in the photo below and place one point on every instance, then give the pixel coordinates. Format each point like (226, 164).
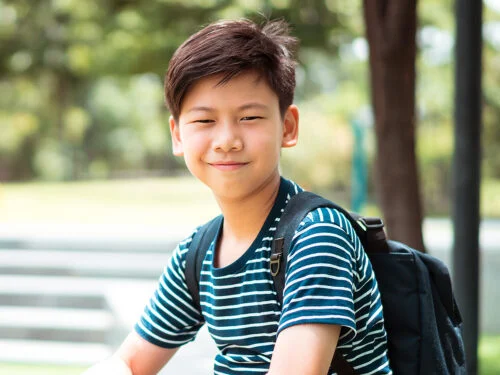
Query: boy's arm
(135, 356)
(305, 349)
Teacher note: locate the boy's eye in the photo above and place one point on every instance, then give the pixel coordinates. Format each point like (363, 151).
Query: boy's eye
(250, 118)
(203, 121)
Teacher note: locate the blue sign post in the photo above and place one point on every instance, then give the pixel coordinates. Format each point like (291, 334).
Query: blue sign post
(359, 173)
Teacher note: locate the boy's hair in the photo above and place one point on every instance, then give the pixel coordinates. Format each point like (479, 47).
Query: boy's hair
(230, 48)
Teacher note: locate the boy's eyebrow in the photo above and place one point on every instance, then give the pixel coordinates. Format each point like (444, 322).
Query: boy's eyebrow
(241, 108)
(200, 109)
(253, 105)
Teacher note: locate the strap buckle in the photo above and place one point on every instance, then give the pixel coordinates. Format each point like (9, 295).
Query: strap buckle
(275, 263)
(371, 223)
(374, 234)
(276, 255)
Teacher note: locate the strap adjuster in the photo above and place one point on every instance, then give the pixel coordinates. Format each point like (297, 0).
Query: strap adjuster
(371, 223)
(374, 234)
(275, 263)
(276, 255)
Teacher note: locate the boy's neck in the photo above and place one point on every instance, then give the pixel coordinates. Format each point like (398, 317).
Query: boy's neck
(244, 218)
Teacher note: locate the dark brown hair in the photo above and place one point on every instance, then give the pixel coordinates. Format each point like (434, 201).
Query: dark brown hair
(229, 48)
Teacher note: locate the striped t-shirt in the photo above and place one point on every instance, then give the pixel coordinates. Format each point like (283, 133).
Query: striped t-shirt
(329, 280)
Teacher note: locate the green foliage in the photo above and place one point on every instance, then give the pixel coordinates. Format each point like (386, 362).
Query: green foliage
(490, 198)
(434, 149)
(82, 94)
(321, 160)
(83, 78)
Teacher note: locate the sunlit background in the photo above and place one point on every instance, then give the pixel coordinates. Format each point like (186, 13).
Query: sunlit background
(92, 199)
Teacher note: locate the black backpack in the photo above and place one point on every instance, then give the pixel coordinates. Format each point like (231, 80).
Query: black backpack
(423, 323)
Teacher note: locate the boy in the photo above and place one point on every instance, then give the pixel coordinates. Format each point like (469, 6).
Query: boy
(230, 89)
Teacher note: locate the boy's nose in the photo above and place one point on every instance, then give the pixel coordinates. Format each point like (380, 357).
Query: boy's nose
(227, 138)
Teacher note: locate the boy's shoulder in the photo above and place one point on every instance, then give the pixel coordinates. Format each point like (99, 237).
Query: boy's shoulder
(328, 219)
(183, 246)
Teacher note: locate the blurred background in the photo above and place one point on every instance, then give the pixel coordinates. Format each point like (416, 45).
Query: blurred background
(92, 200)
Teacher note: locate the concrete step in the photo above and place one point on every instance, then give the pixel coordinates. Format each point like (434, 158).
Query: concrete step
(42, 323)
(67, 291)
(25, 298)
(43, 317)
(124, 298)
(93, 237)
(66, 285)
(148, 265)
(49, 352)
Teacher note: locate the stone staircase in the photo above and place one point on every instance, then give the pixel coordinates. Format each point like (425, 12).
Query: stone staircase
(73, 301)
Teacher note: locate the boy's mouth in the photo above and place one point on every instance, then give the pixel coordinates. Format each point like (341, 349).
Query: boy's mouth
(228, 165)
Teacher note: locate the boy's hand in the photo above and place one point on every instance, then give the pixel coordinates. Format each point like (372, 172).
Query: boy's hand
(305, 349)
(135, 356)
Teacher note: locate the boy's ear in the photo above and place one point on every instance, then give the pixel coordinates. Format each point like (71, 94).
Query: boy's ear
(177, 148)
(290, 127)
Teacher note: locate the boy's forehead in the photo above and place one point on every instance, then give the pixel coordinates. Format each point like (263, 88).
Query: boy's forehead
(241, 86)
(250, 78)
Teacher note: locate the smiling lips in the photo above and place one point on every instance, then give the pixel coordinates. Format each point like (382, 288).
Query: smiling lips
(228, 165)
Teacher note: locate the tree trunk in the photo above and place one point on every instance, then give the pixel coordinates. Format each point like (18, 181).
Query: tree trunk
(391, 31)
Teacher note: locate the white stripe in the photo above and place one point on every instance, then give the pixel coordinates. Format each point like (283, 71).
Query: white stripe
(182, 291)
(227, 328)
(214, 307)
(298, 250)
(370, 362)
(313, 308)
(315, 265)
(375, 315)
(245, 369)
(319, 298)
(241, 337)
(260, 271)
(252, 346)
(154, 312)
(230, 296)
(358, 348)
(305, 287)
(317, 276)
(317, 317)
(341, 237)
(167, 311)
(249, 282)
(173, 342)
(330, 214)
(293, 263)
(240, 316)
(171, 303)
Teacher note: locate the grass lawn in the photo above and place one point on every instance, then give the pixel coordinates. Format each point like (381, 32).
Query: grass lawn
(159, 201)
(489, 355)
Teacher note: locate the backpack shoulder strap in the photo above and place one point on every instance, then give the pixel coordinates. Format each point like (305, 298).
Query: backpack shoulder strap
(295, 211)
(196, 253)
(370, 231)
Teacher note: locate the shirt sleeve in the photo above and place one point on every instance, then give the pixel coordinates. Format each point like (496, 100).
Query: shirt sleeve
(170, 319)
(319, 282)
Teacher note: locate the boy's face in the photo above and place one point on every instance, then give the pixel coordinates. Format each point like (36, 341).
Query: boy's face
(231, 134)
